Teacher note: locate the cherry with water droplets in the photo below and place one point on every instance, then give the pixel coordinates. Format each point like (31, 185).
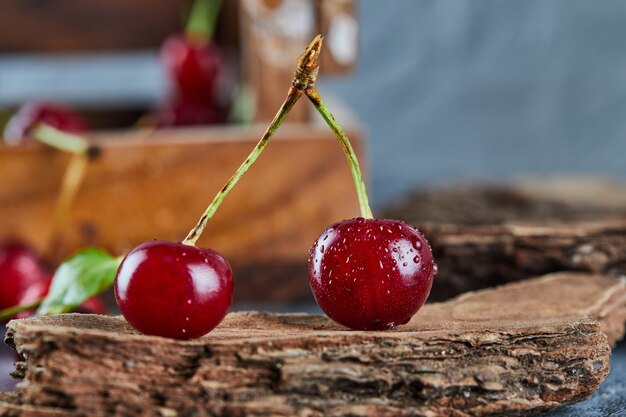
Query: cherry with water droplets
(371, 274)
(174, 290)
(54, 114)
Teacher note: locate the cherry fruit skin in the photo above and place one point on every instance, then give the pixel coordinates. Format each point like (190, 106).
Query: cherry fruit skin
(53, 114)
(371, 274)
(20, 268)
(174, 290)
(193, 67)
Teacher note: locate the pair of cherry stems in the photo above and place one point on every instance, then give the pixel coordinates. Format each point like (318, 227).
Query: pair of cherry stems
(303, 83)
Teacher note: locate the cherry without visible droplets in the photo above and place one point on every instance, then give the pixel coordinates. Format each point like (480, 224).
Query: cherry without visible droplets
(193, 67)
(371, 274)
(20, 268)
(53, 114)
(174, 290)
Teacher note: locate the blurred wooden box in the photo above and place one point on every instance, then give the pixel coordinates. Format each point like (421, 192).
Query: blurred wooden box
(148, 185)
(260, 38)
(156, 184)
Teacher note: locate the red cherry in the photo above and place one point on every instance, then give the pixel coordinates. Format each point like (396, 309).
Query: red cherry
(56, 115)
(193, 66)
(39, 290)
(174, 290)
(20, 268)
(34, 293)
(371, 274)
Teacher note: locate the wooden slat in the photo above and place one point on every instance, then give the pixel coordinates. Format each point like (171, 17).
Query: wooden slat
(157, 186)
(337, 21)
(269, 47)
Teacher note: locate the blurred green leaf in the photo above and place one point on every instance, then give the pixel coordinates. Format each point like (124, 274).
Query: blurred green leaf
(87, 273)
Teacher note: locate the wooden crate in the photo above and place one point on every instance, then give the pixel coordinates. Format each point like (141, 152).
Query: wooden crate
(148, 185)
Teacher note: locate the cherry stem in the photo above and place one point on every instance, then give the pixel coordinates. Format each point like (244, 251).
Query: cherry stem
(303, 78)
(203, 19)
(72, 177)
(317, 101)
(60, 140)
(7, 313)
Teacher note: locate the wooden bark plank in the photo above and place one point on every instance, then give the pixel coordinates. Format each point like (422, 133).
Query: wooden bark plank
(483, 256)
(486, 235)
(284, 371)
(510, 350)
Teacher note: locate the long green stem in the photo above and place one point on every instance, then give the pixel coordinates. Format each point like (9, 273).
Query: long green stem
(195, 233)
(317, 101)
(304, 77)
(7, 313)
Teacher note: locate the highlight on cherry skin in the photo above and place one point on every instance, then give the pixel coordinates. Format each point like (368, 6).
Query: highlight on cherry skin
(371, 274)
(174, 290)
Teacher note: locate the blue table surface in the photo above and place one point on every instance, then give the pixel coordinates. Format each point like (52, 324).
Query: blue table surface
(608, 401)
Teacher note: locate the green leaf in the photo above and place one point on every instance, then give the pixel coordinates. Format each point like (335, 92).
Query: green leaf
(86, 273)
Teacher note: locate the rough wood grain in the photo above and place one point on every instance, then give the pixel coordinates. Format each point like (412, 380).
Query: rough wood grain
(507, 351)
(155, 185)
(486, 235)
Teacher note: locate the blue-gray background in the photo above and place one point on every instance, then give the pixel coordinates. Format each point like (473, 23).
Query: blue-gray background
(453, 90)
